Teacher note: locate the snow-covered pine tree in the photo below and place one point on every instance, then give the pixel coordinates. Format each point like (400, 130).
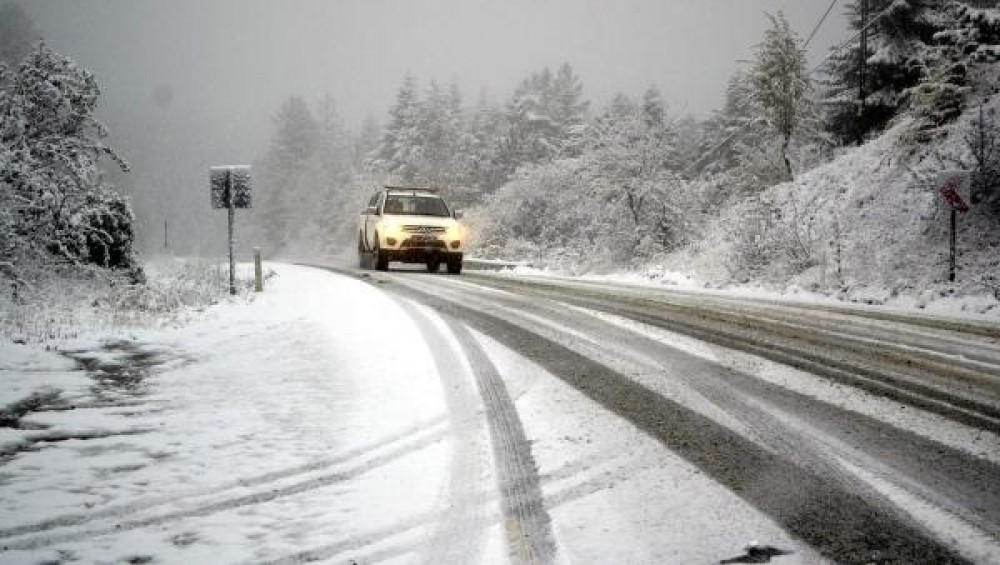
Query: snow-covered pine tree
(285, 169)
(898, 31)
(334, 147)
(439, 127)
(568, 108)
(544, 114)
(367, 141)
(960, 61)
(778, 84)
(533, 135)
(483, 148)
(735, 121)
(56, 202)
(399, 152)
(653, 108)
(334, 190)
(982, 138)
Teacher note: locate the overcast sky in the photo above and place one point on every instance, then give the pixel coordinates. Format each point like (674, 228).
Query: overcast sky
(192, 82)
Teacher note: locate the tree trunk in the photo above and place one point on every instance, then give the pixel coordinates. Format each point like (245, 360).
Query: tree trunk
(784, 155)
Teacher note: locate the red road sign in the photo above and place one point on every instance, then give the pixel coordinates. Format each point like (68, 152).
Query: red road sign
(950, 192)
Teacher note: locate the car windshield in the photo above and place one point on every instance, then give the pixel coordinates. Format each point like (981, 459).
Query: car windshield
(413, 205)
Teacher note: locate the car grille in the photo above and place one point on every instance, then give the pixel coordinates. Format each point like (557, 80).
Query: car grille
(423, 229)
(435, 244)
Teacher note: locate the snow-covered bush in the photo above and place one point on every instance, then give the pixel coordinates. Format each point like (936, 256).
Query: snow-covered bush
(769, 242)
(590, 212)
(619, 202)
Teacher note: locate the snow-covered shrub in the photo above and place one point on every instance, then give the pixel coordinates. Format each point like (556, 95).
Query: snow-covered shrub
(770, 242)
(600, 210)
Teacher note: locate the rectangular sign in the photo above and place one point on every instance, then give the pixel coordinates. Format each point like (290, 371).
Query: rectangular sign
(239, 178)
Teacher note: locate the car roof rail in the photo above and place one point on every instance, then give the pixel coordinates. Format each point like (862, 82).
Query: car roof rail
(412, 188)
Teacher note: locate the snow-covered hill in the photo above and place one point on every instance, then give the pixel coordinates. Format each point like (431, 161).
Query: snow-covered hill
(868, 226)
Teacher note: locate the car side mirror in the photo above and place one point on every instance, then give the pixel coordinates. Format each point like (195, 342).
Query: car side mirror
(458, 214)
(371, 210)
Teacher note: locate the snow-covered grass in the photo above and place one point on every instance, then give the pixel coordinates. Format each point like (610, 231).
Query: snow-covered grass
(62, 303)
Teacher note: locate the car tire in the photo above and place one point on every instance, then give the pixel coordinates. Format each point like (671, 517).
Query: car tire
(363, 257)
(433, 265)
(381, 258)
(454, 266)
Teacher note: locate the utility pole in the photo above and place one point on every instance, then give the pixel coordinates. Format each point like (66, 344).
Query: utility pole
(980, 187)
(862, 71)
(166, 238)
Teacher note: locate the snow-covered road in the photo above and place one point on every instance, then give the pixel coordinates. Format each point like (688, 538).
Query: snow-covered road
(359, 417)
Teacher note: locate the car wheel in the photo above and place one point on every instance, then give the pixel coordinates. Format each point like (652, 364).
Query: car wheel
(433, 265)
(455, 266)
(381, 258)
(363, 262)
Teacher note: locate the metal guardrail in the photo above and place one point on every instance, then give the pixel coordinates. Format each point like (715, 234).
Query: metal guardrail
(476, 264)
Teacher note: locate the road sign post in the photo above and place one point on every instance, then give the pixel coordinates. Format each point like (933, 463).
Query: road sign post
(953, 186)
(231, 189)
(258, 271)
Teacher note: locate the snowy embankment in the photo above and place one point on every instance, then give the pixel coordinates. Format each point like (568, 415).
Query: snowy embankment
(868, 227)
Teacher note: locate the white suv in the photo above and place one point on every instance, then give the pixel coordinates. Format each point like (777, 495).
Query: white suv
(411, 225)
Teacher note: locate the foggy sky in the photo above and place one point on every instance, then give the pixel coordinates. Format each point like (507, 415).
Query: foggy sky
(190, 83)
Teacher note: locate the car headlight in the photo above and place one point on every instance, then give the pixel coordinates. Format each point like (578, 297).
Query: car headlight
(391, 228)
(455, 232)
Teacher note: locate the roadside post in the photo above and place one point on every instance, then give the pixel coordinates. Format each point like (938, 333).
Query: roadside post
(231, 189)
(258, 271)
(953, 185)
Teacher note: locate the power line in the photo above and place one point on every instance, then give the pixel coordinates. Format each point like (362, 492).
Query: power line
(863, 66)
(852, 39)
(815, 68)
(820, 24)
(697, 163)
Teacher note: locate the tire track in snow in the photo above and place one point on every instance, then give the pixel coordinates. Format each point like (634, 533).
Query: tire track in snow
(819, 509)
(459, 536)
(806, 430)
(408, 444)
(527, 523)
(798, 427)
(379, 542)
